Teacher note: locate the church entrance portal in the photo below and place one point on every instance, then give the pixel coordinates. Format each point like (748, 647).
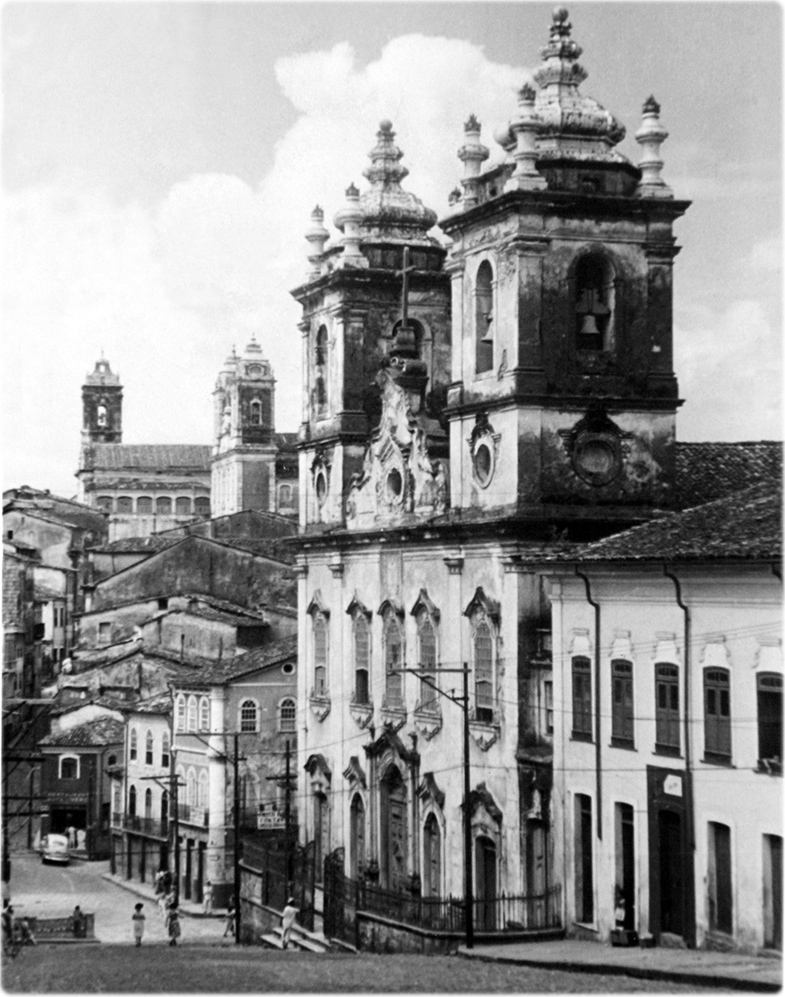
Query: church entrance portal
(394, 830)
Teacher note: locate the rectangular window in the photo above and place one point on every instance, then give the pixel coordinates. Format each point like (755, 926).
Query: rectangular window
(320, 657)
(622, 713)
(581, 699)
(716, 693)
(584, 873)
(666, 693)
(548, 690)
(720, 887)
(104, 632)
(770, 723)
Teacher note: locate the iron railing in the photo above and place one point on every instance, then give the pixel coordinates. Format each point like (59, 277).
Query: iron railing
(144, 825)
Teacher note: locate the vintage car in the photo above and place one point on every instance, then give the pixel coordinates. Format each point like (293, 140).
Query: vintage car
(56, 848)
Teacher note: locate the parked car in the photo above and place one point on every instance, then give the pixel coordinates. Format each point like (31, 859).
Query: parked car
(55, 848)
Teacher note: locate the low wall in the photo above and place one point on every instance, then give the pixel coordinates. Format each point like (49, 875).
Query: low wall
(60, 929)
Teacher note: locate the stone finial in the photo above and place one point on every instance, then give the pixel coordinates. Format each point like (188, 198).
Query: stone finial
(317, 235)
(348, 220)
(525, 127)
(455, 196)
(472, 154)
(650, 137)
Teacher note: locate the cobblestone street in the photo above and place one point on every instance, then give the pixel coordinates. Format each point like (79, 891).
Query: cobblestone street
(207, 969)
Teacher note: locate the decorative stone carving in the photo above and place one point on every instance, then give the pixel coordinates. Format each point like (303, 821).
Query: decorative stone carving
(427, 720)
(484, 448)
(393, 715)
(355, 773)
(484, 734)
(319, 705)
(362, 713)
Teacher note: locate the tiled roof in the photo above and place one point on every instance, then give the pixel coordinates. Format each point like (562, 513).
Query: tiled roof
(221, 673)
(236, 617)
(149, 456)
(137, 545)
(746, 525)
(97, 733)
(708, 471)
(161, 704)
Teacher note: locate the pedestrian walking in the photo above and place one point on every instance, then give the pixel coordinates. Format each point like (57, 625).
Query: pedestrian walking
(79, 922)
(230, 919)
(138, 918)
(207, 901)
(290, 912)
(159, 882)
(173, 923)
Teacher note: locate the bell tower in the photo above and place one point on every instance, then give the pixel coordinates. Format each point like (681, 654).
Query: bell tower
(563, 398)
(356, 322)
(244, 450)
(102, 406)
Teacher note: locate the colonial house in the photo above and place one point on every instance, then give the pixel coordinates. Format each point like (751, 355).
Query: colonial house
(141, 793)
(231, 722)
(524, 406)
(668, 740)
(75, 779)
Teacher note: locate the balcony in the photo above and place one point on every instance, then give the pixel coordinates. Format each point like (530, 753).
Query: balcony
(141, 825)
(197, 816)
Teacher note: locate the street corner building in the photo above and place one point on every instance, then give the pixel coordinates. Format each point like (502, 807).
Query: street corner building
(491, 487)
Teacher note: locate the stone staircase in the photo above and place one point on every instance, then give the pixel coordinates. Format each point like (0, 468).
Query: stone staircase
(300, 939)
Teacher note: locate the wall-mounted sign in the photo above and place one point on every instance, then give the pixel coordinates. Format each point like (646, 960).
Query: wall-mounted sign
(672, 785)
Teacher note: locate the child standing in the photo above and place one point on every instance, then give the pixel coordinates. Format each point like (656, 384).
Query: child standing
(138, 919)
(173, 923)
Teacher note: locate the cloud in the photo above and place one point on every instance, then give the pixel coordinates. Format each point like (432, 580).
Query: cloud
(729, 367)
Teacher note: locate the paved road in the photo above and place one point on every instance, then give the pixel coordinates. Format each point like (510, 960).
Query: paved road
(53, 891)
(204, 969)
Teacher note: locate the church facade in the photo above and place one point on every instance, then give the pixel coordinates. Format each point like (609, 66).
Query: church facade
(524, 403)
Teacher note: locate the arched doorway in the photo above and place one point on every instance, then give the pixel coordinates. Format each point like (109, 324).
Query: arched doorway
(432, 857)
(485, 877)
(394, 830)
(357, 837)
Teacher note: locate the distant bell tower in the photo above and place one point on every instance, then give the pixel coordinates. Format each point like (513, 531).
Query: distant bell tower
(563, 399)
(244, 446)
(102, 406)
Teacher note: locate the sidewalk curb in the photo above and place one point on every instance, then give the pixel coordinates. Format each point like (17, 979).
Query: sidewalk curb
(614, 969)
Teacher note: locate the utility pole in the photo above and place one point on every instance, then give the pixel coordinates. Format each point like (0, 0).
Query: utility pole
(287, 816)
(237, 915)
(174, 796)
(468, 866)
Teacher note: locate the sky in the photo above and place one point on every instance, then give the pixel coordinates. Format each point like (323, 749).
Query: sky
(160, 162)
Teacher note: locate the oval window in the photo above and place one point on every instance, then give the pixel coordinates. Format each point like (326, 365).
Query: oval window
(596, 457)
(321, 487)
(483, 463)
(394, 485)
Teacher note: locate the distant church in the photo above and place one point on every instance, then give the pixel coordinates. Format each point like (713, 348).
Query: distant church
(152, 487)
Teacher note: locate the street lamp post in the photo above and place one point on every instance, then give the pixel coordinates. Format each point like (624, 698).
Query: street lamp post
(468, 866)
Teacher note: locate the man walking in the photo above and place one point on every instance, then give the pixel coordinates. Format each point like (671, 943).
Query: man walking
(287, 920)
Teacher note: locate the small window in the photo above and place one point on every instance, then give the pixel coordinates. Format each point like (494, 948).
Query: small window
(320, 656)
(548, 695)
(148, 748)
(248, 717)
(144, 506)
(285, 495)
(104, 503)
(581, 699)
(182, 505)
(484, 697)
(180, 713)
(716, 695)
(362, 660)
(202, 506)
(69, 767)
(288, 716)
(256, 413)
(163, 505)
(133, 747)
(204, 713)
(191, 713)
(104, 633)
(165, 750)
(125, 504)
(622, 708)
(163, 603)
(667, 708)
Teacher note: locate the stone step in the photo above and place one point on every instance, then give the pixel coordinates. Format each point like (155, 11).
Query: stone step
(299, 938)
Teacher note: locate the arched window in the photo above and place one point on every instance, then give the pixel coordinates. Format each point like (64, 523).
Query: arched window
(394, 830)
(320, 368)
(287, 723)
(248, 717)
(101, 414)
(321, 832)
(165, 750)
(594, 302)
(432, 857)
(125, 504)
(320, 656)
(717, 716)
(204, 713)
(133, 745)
(164, 807)
(203, 790)
(148, 748)
(148, 804)
(69, 767)
(484, 698)
(202, 506)
(132, 801)
(426, 639)
(191, 713)
(483, 321)
(393, 659)
(362, 659)
(357, 837)
(182, 505)
(144, 505)
(104, 503)
(180, 712)
(256, 413)
(163, 505)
